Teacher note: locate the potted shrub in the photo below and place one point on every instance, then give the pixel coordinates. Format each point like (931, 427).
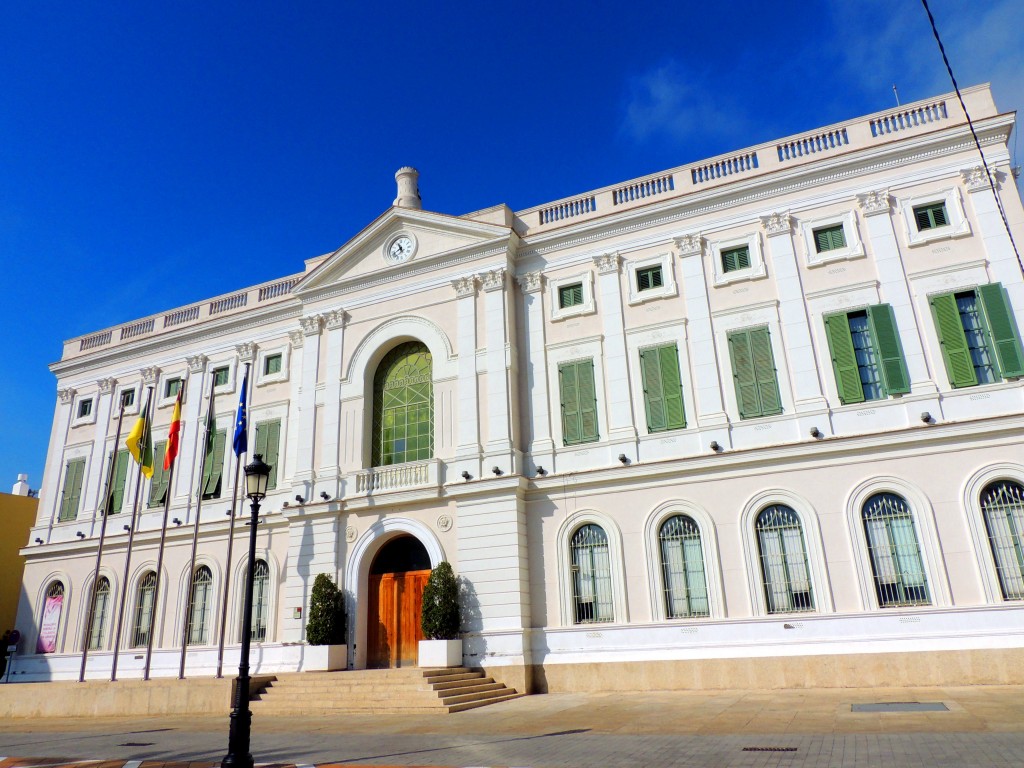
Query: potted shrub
(441, 620)
(325, 627)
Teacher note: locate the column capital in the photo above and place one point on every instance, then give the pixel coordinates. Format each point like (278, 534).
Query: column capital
(150, 375)
(311, 325)
(607, 263)
(777, 223)
(689, 245)
(335, 318)
(531, 282)
(464, 286)
(196, 363)
(975, 179)
(246, 352)
(874, 202)
(106, 385)
(493, 279)
(67, 395)
(296, 337)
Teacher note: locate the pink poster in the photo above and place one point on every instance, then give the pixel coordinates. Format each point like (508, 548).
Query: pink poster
(51, 618)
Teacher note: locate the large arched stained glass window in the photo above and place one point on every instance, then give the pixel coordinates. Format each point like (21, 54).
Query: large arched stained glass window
(682, 564)
(403, 406)
(144, 610)
(591, 576)
(100, 604)
(895, 554)
(784, 566)
(1002, 504)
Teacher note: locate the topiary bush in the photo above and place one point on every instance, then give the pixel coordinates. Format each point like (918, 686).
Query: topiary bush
(441, 616)
(326, 625)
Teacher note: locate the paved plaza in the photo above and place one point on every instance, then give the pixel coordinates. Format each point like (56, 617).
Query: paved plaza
(975, 726)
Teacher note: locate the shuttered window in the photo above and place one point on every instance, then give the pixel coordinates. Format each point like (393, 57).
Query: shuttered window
(734, 259)
(978, 335)
(930, 216)
(158, 485)
(867, 357)
(753, 369)
(647, 278)
(271, 364)
(663, 388)
(268, 444)
(172, 387)
(72, 495)
(213, 466)
(115, 498)
(570, 295)
(579, 402)
(220, 376)
(829, 238)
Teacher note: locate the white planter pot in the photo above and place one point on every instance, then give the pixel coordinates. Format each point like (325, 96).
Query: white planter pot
(323, 658)
(440, 653)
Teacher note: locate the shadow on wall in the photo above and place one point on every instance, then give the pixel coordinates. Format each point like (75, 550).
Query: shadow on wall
(474, 645)
(25, 623)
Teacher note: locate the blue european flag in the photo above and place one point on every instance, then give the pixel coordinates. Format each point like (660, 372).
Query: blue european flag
(241, 441)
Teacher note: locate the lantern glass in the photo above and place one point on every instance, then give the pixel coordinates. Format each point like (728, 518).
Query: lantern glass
(257, 476)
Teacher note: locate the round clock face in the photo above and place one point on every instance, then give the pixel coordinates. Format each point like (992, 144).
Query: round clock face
(400, 249)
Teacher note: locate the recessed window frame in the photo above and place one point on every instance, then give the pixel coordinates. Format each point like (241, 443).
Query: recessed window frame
(262, 379)
(668, 285)
(85, 402)
(854, 248)
(757, 268)
(165, 400)
(135, 390)
(958, 225)
(585, 307)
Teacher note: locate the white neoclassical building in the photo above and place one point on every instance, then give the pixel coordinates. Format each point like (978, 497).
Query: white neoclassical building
(752, 421)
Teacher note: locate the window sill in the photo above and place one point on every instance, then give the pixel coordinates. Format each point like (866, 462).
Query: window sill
(839, 254)
(939, 233)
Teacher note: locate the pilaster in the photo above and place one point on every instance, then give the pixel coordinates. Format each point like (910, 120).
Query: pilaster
(96, 478)
(53, 473)
(541, 446)
(1002, 262)
(621, 424)
(313, 541)
(468, 451)
(499, 405)
(302, 477)
(187, 474)
(328, 475)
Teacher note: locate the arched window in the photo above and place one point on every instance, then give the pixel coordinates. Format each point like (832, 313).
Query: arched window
(144, 610)
(784, 567)
(1002, 504)
(50, 622)
(403, 406)
(895, 553)
(260, 600)
(682, 563)
(199, 606)
(591, 575)
(100, 605)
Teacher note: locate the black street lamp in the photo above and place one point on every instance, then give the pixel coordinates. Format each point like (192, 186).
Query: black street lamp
(257, 475)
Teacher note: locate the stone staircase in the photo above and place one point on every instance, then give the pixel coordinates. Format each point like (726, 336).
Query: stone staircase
(380, 691)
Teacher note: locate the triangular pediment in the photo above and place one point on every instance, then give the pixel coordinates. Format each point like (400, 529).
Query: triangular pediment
(401, 241)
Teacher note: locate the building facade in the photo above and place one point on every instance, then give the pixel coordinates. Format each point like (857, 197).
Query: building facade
(753, 421)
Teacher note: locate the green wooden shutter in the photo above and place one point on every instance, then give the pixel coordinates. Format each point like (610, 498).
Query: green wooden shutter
(213, 466)
(953, 341)
(1003, 329)
(158, 485)
(844, 359)
(268, 442)
(882, 322)
(654, 395)
(764, 369)
(672, 387)
(73, 475)
(588, 400)
(569, 391)
(743, 374)
(116, 496)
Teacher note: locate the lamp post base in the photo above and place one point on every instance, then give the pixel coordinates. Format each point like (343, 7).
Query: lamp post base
(238, 755)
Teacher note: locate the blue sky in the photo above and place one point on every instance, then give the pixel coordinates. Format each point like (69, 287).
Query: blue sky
(151, 157)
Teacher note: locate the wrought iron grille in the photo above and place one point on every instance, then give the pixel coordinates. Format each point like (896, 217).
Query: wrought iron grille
(591, 576)
(199, 606)
(144, 610)
(784, 567)
(895, 553)
(260, 600)
(682, 564)
(1002, 504)
(56, 589)
(100, 604)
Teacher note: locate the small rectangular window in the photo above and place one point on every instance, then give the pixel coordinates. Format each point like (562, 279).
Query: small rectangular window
(220, 376)
(734, 259)
(128, 398)
(648, 278)
(172, 387)
(829, 238)
(930, 216)
(84, 407)
(272, 364)
(570, 295)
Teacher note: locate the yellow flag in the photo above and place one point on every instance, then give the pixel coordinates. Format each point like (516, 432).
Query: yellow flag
(140, 446)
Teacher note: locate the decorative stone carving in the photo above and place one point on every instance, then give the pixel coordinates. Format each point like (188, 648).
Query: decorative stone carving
(311, 325)
(874, 202)
(150, 375)
(196, 363)
(350, 534)
(777, 223)
(246, 352)
(444, 523)
(975, 179)
(607, 263)
(493, 280)
(67, 395)
(335, 318)
(296, 337)
(689, 245)
(464, 286)
(531, 282)
(106, 385)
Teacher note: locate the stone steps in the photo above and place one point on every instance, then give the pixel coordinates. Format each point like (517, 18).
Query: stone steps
(380, 691)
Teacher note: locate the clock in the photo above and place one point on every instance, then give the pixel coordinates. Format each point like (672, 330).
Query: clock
(400, 248)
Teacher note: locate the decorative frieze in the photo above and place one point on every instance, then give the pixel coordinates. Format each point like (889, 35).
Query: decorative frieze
(690, 245)
(246, 352)
(777, 223)
(975, 179)
(464, 286)
(196, 363)
(67, 395)
(493, 280)
(106, 386)
(531, 282)
(607, 263)
(150, 375)
(875, 202)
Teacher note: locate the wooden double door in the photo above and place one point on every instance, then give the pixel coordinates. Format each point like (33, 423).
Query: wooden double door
(394, 632)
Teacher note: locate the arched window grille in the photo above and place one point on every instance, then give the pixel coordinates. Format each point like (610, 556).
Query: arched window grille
(784, 567)
(682, 565)
(403, 406)
(895, 554)
(1002, 504)
(100, 606)
(53, 607)
(591, 576)
(260, 600)
(144, 610)
(199, 606)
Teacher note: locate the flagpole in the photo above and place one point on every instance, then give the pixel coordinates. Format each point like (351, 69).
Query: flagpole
(187, 613)
(243, 404)
(128, 553)
(105, 512)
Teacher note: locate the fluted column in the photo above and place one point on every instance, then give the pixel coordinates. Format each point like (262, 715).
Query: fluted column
(540, 446)
(328, 475)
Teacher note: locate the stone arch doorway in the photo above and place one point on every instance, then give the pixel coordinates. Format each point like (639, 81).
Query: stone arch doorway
(398, 574)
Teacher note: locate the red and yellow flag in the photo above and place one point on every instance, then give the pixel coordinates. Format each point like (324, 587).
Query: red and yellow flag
(171, 452)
